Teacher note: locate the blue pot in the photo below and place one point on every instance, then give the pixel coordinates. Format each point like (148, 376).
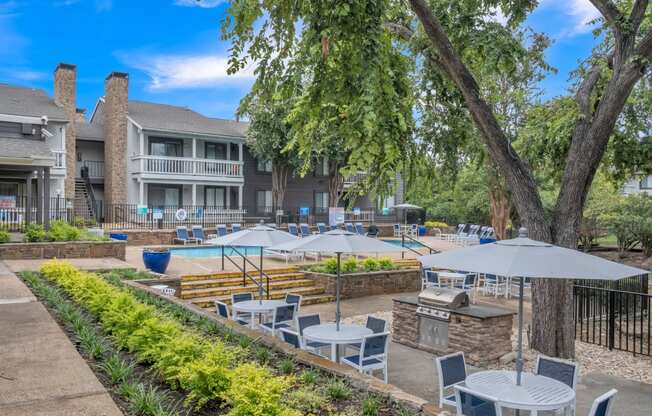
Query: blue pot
(156, 261)
(119, 236)
(487, 240)
(422, 230)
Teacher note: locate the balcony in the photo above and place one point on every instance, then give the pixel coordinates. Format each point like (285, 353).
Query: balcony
(95, 168)
(161, 167)
(59, 167)
(352, 180)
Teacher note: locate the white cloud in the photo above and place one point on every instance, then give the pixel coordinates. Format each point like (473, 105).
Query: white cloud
(580, 12)
(168, 72)
(206, 4)
(24, 74)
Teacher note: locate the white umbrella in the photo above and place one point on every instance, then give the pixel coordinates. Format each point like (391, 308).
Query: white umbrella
(262, 236)
(525, 258)
(338, 242)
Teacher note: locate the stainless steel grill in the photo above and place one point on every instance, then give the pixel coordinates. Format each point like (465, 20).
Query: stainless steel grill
(446, 298)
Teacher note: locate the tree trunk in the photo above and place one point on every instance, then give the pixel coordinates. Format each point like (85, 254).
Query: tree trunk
(335, 184)
(280, 174)
(500, 209)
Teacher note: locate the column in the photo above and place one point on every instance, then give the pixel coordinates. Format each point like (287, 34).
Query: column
(141, 193)
(39, 186)
(141, 149)
(240, 154)
(194, 188)
(228, 151)
(194, 156)
(46, 198)
(228, 197)
(240, 196)
(29, 201)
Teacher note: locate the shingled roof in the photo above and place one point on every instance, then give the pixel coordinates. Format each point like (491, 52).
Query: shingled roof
(23, 101)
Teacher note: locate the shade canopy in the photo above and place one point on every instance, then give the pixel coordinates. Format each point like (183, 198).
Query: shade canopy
(258, 236)
(338, 241)
(523, 257)
(406, 206)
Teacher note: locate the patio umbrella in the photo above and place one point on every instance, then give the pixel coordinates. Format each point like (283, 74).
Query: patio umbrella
(338, 242)
(407, 207)
(261, 235)
(525, 258)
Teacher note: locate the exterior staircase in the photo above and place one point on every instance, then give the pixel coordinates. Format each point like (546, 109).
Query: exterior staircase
(204, 290)
(82, 205)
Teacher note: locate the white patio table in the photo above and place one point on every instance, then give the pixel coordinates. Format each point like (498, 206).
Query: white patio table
(328, 334)
(452, 277)
(536, 393)
(257, 307)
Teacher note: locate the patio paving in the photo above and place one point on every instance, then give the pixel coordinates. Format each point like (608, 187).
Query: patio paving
(414, 371)
(41, 372)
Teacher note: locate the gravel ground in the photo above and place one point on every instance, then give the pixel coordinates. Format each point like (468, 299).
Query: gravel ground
(592, 358)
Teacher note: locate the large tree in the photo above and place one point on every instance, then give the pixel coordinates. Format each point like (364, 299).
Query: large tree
(357, 76)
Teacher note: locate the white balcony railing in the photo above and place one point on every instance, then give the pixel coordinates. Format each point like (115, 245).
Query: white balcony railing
(59, 159)
(354, 179)
(189, 166)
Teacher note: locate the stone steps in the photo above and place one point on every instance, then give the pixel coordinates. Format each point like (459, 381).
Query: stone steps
(228, 290)
(310, 296)
(235, 281)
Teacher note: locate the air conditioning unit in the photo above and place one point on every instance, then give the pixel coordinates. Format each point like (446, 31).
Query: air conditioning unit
(28, 129)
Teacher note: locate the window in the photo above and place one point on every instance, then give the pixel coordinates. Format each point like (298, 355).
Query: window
(214, 196)
(215, 151)
(264, 166)
(264, 201)
(321, 202)
(165, 147)
(646, 182)
(164, 195)
(321, 169)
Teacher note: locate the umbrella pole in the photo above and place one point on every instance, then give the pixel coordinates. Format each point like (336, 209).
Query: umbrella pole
(222, 258)
(260, 283)
(337, 294)
(519, 354)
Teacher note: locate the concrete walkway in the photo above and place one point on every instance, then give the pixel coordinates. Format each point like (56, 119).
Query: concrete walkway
(41, 373)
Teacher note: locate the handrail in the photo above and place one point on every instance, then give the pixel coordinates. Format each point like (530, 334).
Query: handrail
(245, 274)
(89, 191)
(404, 236)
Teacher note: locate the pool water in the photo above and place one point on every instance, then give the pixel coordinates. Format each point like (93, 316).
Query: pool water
(408, 243)
(212, 251)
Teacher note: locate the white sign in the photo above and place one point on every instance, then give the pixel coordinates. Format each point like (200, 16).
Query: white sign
(158, 214)
(335, 216)
(181, 214)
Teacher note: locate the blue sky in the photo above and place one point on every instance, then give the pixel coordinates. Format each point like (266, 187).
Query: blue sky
(172, 51)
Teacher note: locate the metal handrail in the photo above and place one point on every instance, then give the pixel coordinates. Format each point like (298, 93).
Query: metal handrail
(90, 192)
(245, 274)
(430, 249)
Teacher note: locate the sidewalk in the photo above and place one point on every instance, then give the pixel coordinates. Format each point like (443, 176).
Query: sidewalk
(41, 373)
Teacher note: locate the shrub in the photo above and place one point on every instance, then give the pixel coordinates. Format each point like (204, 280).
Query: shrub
(371, 265)
(207, 377)
(62, 231)
(254, 391)
(308, 401)
(436, 224)
(386, 263)
(117, 369)
(350, 265)
(4, 237)
(330, 265)
(309, 377)
(286, 366)
(34, 233)
(370, 406)
(338, 390)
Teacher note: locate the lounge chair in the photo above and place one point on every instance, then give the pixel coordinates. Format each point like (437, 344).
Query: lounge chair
(451, 237)
(349, 227)
(470, 403)
(451, 370)
(293, 229)
(359, 228)
(235, 228)
(198, 234)
(304, 229)
(183, 237)
(220, 231)
(285, 255)
(372, 356)
(321, 227)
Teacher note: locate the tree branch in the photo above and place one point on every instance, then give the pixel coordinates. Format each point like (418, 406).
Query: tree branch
(644, 48)
(610, 12)
(583, 95)
(638, 12)
(407, 34)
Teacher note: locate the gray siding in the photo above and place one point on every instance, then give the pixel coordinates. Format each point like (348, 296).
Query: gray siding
(15, 130)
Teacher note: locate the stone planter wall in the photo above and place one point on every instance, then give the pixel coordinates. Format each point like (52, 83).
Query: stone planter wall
(63, 250)
(147, 237)
(356, 285)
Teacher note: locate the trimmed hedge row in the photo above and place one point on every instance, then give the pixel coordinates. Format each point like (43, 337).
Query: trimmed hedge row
(207, 371)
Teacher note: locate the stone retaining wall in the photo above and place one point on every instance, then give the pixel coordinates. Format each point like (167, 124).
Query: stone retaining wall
(147, 237)
(356, 285)
(62, 250)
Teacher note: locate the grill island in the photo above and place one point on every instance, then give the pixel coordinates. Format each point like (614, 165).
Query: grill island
(442, 321)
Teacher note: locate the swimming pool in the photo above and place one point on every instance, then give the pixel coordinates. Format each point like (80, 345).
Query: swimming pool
(408, 243)
(203, 252)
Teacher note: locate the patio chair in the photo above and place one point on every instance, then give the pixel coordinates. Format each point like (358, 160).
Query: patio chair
(430, 279)
(494, 285)
(397, 230)
(285, 255)
(235, 228)
(304, 229)
(560, 370)
(464, 238)
(359, 228)
(377, 326)
(222, 309)
(241, 297)
(372, 356)
(282, 317)
(459, 231)
(291, 337)
(314, 347)
(183, 237)
(292, 299)
(414, 230)
(321, 227)
(220, 231)
(198, 233)
(349, 227)
(468, 284)
(293, 229)
(373, 231)
(513, 289)
(451, 370)
(603, 405)
(472, 403)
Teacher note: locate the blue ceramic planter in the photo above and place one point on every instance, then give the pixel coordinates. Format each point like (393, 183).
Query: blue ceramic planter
(422, 230)
(118, 236)
(487, 240)
(156, 261)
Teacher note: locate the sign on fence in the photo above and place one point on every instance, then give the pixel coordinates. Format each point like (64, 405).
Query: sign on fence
(7, 201)
(141, 210)
(335, 216)
(158, 214)
(304, 211)
(181, 214)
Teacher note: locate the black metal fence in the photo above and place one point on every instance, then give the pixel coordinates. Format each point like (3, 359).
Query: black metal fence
(614, 318)
(17, 211)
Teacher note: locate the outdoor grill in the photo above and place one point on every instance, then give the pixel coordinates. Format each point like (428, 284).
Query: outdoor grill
(434, 313)
(447, 298)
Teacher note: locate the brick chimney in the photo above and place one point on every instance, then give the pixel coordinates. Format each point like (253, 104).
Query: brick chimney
(116, 98)
(65, 95)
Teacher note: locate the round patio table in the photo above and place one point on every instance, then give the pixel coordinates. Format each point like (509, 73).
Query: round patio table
(536, 393)
(328, 334)
(257, 307)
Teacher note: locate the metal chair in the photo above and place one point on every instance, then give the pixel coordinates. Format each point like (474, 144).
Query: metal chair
(183, 237)
(560, 370)
(430, 279)
(321, 227)
(349, 227)
(222, 309)
(473, 403)
(293, 229)
(451, 370)
(293, 299)
(198, 233)
(397, 230)
(282, 317)
(468, 284)
(304, 229)
(220, 231)
(603, 405)
(241, 297)
(235, 228)
(359, 228)
(377, 326)
(494, 285)
(291, 337)
(314, 347)
(373, 355)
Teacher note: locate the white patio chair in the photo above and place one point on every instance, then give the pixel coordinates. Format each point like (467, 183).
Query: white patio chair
(603, 405)
(222, 309)
(430, 279)
(373, 355)
(282, 317)
(471, 403)
(564, 371)
(451, 370)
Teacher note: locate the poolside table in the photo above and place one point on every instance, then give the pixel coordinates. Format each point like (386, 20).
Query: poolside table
(536, 393)
(257, 307)
(328, 334)
(452, 277)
